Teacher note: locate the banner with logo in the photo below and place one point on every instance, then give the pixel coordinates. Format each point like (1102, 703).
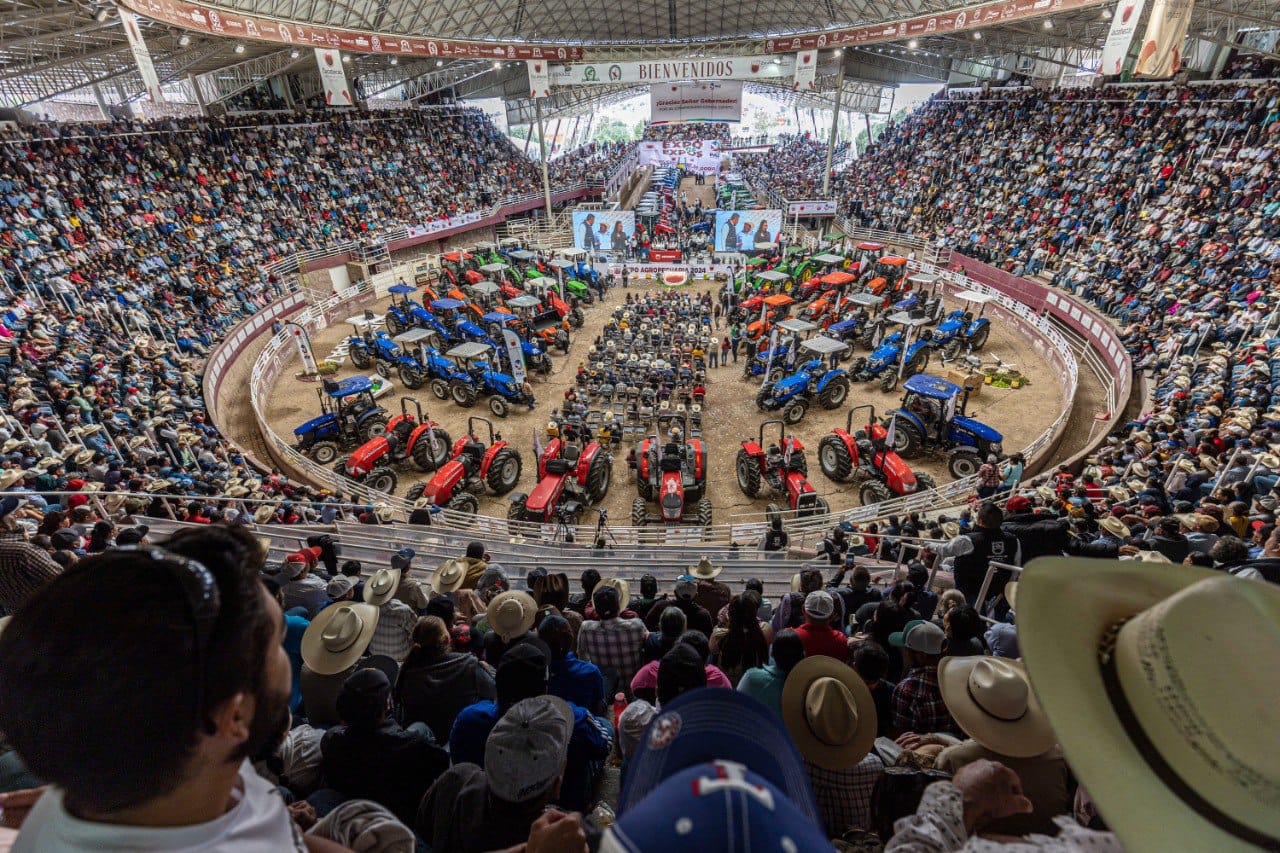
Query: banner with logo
(441, 225)
(1124, 23)
(512, 343)
(603, 230)
(1161, 54)
(806, 70)
(336, 91)
(141, 55)
(709, 68)
(819, 207)
(539, 79)
(304, 348)
(700, 156)
(707, 101)
(743, 230)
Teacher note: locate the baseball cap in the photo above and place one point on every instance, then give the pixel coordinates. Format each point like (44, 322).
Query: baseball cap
(531, 744)
(919, 635)
(401, 559)
(819, 604)
(132, 535)
(340, 585)
(686, 588)
(9, 504)
(717, 725)
(65, 540)
(522, 672)
(718, 805)
(364, 695)
(1018, 503)
(293, 566)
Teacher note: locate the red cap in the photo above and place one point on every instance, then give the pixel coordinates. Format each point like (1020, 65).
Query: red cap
(1018, 503)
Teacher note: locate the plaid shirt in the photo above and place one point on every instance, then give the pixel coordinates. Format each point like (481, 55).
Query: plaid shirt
(844, 796)
(394, 635)
(918, 705)
(24, 569)
(617, 643)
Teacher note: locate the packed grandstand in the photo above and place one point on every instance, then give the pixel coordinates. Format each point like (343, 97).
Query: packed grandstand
(216, 639)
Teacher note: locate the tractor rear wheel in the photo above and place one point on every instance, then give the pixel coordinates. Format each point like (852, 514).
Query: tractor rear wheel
(462, 393)
(360, 356)
(748, 474)
(373, 427)
(835, 393)
(643, 488)
(979, 339)
(416, 491)
(410, 377)
(639, 512)
(324, 452)
(504, 471)
(834, 459)
(794, 412)
(394, 326)
(963, 463)
(704, 513)
(515, 512)
(431, 450)
(907, 439)
(440, 388)
(575, 318)
(873, 492)
(381, 479)
(463, 502)
(598, 477)
(925, 483)
(889, 380)
(498, 405)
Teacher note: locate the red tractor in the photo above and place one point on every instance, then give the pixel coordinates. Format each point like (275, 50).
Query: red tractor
(674, 472)
(782, 468)
(407, 438)
(866, 457)
(572, 472)
(472, 466)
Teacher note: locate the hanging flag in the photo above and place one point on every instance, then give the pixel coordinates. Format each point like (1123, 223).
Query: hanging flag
(539, 78)
(1161, 54)
(336, 91)
(806, 70)
(1124, 23)
(890, 433)
(141, 55)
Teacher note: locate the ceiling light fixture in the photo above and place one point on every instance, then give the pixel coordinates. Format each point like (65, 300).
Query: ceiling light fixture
(1106, 14)
(294, 54)
(184, 40)
(497, 65)
(839, 51)
(395, 60)
(439, 62)
(346, 58)
(1048, 23)
(239, 48)
(913, 44)
(977, 35)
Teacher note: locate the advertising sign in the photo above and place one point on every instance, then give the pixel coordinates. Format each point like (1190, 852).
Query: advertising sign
(516, 355)
(806, 70)
(701, 156)
(1124, 23)
(336, 92)
(743, 230)
(708, 68)
(1161, 54)
(603, 230)
(710, 100)
(819, 207)
(141, 55)
(539, 80)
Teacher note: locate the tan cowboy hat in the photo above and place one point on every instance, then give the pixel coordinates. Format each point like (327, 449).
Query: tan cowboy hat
(1047, 494)
(511, 614)
(1166, 419)
(450, 575)
(1209, 462)
(261, 515)
(338, 636)
(237, 492)
(950, 529)
(48, 462)
(383, 511)
(855, 540)
(704, 570)
(1186, 465)
(381, 586)
(1158, 710)
(10, 445)
(991, 699)
(90, 429)
(1115, 527)
(84, 457)
(138, 441)
(1213, 410)
(91, 487)
(1118, 493)
(829, 712)
(1152, 557)
(1269, 460)
(8, 478)
(1139, 469)
(160, 485)
(623, 588)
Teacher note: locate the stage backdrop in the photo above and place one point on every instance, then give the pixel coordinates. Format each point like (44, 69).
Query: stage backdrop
(717, 100)
(603, 230)
(741, 230)
(701, 156)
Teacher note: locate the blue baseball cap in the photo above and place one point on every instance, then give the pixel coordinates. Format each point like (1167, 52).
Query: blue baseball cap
(720, 805)
(709, 724)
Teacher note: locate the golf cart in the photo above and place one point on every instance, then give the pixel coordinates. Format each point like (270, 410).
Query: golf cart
(782, 468)
(348, 415)
(478, 378)
(674, 472)
(862, 456)
(472, 467)
(932, 419)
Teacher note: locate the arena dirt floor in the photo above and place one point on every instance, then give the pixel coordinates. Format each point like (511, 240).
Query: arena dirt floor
(730, 416)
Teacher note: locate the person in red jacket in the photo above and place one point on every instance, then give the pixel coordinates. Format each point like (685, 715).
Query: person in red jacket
(816, 634)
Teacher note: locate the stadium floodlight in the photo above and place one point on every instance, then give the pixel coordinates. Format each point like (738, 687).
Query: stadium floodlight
(239, 48)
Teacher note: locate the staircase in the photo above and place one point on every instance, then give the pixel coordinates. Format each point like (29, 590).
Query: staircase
(556, 233)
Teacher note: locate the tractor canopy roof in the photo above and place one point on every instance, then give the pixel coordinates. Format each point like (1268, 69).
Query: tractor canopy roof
(870, 247)
(485, 288)
(401, 289)
(454, 257)
(349, 386)
(413, 336)
(931, 387)
(894, 261)
(777, 300)
(469, 350)
(494, 267)
(525, 301)
(823, 345)
(799, 327)
(772, 275)
(828, 258)
(521, 255)
(839, 277)
(498, 317)
(446, 304)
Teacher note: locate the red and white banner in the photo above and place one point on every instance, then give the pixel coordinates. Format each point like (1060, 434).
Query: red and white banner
(1161, 54)
(806, 70)
(715, 100)
(1124, 23)
(141, 55)
(539, 78)
(700, 156)
(336, 91)
(664, 256)
(971, 18)
(219, 22)
(820, 207)
(439, 225)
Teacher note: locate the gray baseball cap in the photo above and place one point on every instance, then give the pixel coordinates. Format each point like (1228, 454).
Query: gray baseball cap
(531, 744)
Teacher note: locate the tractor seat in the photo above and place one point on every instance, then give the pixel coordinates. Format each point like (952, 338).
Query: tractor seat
(475, 449)
(671, 458)
(796, 463)
(559, 466)
(572, 453)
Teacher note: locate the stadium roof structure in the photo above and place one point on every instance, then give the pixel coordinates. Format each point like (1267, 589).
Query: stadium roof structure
(207, 52)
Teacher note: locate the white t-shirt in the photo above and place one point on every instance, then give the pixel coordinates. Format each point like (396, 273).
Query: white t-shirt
(259, 822)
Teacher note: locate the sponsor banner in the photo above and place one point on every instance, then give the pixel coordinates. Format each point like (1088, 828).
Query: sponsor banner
(812, 208)
(336, 92)
(741, 230)
(219, 22)
(603, 230)
(539, 79)
(440, 225)
(708, 101)
(806, 70)
(141, 55)
(971, 18)
(304, 348)
(710, 68)
(494, 109)
(1124, 23)
(664, 256)
(651, 270)
(515, 354)
(1161, 54)
(701, 156)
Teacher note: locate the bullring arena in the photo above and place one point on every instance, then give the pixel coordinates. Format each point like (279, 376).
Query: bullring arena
(415, 416)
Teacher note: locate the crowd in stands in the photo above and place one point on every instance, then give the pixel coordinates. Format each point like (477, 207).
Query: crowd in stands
(792, 168)
(593, 163)
(686, 131)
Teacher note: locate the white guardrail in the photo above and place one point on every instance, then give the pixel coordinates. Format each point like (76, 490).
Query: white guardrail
(745, 528)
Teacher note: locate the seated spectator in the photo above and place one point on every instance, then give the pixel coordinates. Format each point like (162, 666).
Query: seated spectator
(575, 681)
(612, 643)
(764, 683)
(671, 624)
(817, 635)
(742, 644)
(871, 662)
(436, 682)
(712, 595)
(645, 684)
(509, 618)
(333, 647)
(696, 617)
(918, 706)
(964, 629)
(679, 671)
(393, 636)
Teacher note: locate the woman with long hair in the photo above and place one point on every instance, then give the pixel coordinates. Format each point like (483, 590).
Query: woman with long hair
(53, 521)
(742, 645)
(437, 682)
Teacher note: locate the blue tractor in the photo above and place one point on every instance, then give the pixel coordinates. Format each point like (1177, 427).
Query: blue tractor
(405, 313)
(793, 395)
(348, 418)
(882, 365)
(932, 419)
(961, 330)
(478, 378)
(379, 351)
(536, 359)
(429, 366)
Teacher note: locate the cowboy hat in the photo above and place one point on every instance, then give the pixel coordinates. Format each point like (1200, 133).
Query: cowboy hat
(1046, 493)
(381, 586)
(1139, 469)
(511, 614)
(1118, 493)
(137, 441)
(383, 511)
(338, 636)
(1186, 465)
(84, 457)
(829, 712)
(261, 515)
(1145, 696)
(1209, 462)
(237, 492)
(48, 462)
(1151, 557)
(950, 529)
(992, 701)
(13, 475)
(623, 588)
(10, 445)
(704, 570)
(1115, 527)
(1269, 460)
(450, 575)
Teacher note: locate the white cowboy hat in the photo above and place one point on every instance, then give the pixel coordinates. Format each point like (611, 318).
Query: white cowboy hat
(829, 712)
(383, 512)
(261, 515)
(992, 701)
(1159, 710)
(704, 570)
(950, 529)
(1139, 469)
(1115, 527)
(381, 586)
(13, 475)
(623, 588)
(1118, 493)
(338, 636)
(10, 445)
(511, 614)
(84, 457)
(1046, 494)
(450, 575)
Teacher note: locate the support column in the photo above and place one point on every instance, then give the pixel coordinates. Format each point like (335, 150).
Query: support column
(542, 146)
(194, 83)
(527, 139)
(867, 118)
(287, 87)
(573, 134)
(555, 135)
(102, 102)
(831, 140)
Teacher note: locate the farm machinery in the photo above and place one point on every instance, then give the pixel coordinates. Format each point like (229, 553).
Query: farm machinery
(573, 471)
(477, 378)
(812, 382)
(407, 438)
(932, 419)
(894, 351)
(348, 415)
(473, 466)
(864, 457)
(673, 472)
(781, 468)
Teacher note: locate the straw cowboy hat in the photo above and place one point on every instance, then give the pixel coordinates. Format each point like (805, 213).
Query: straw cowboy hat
(10, 445)
(138, 441)
(1118, 493)
(1269, 460)
(237, 492)
(950, 529)
(829, 712)
(1210, 464)
(10, 477)
(450, 575)
(992, 701)
(261, 515)
(1145, 696)
(511, 614)
(381, 586)
(383, 511)
(1139, 469)
(1186, 465)
(623, 588)
(84, 457)
(338, 636)
(704, 570)
(1115, 527)
(1046, 494)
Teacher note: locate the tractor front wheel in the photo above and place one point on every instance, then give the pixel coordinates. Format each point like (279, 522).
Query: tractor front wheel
(873, 492)
(639, 512)
(463, 502)
(381, 479)
(462, 393)
(375, 426)
(704, 513)
(324, 452)
(835, 393)
(795, 411)
(834, 459)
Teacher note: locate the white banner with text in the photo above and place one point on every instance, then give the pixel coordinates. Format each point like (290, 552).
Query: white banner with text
(708, 100)
(336, 91)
